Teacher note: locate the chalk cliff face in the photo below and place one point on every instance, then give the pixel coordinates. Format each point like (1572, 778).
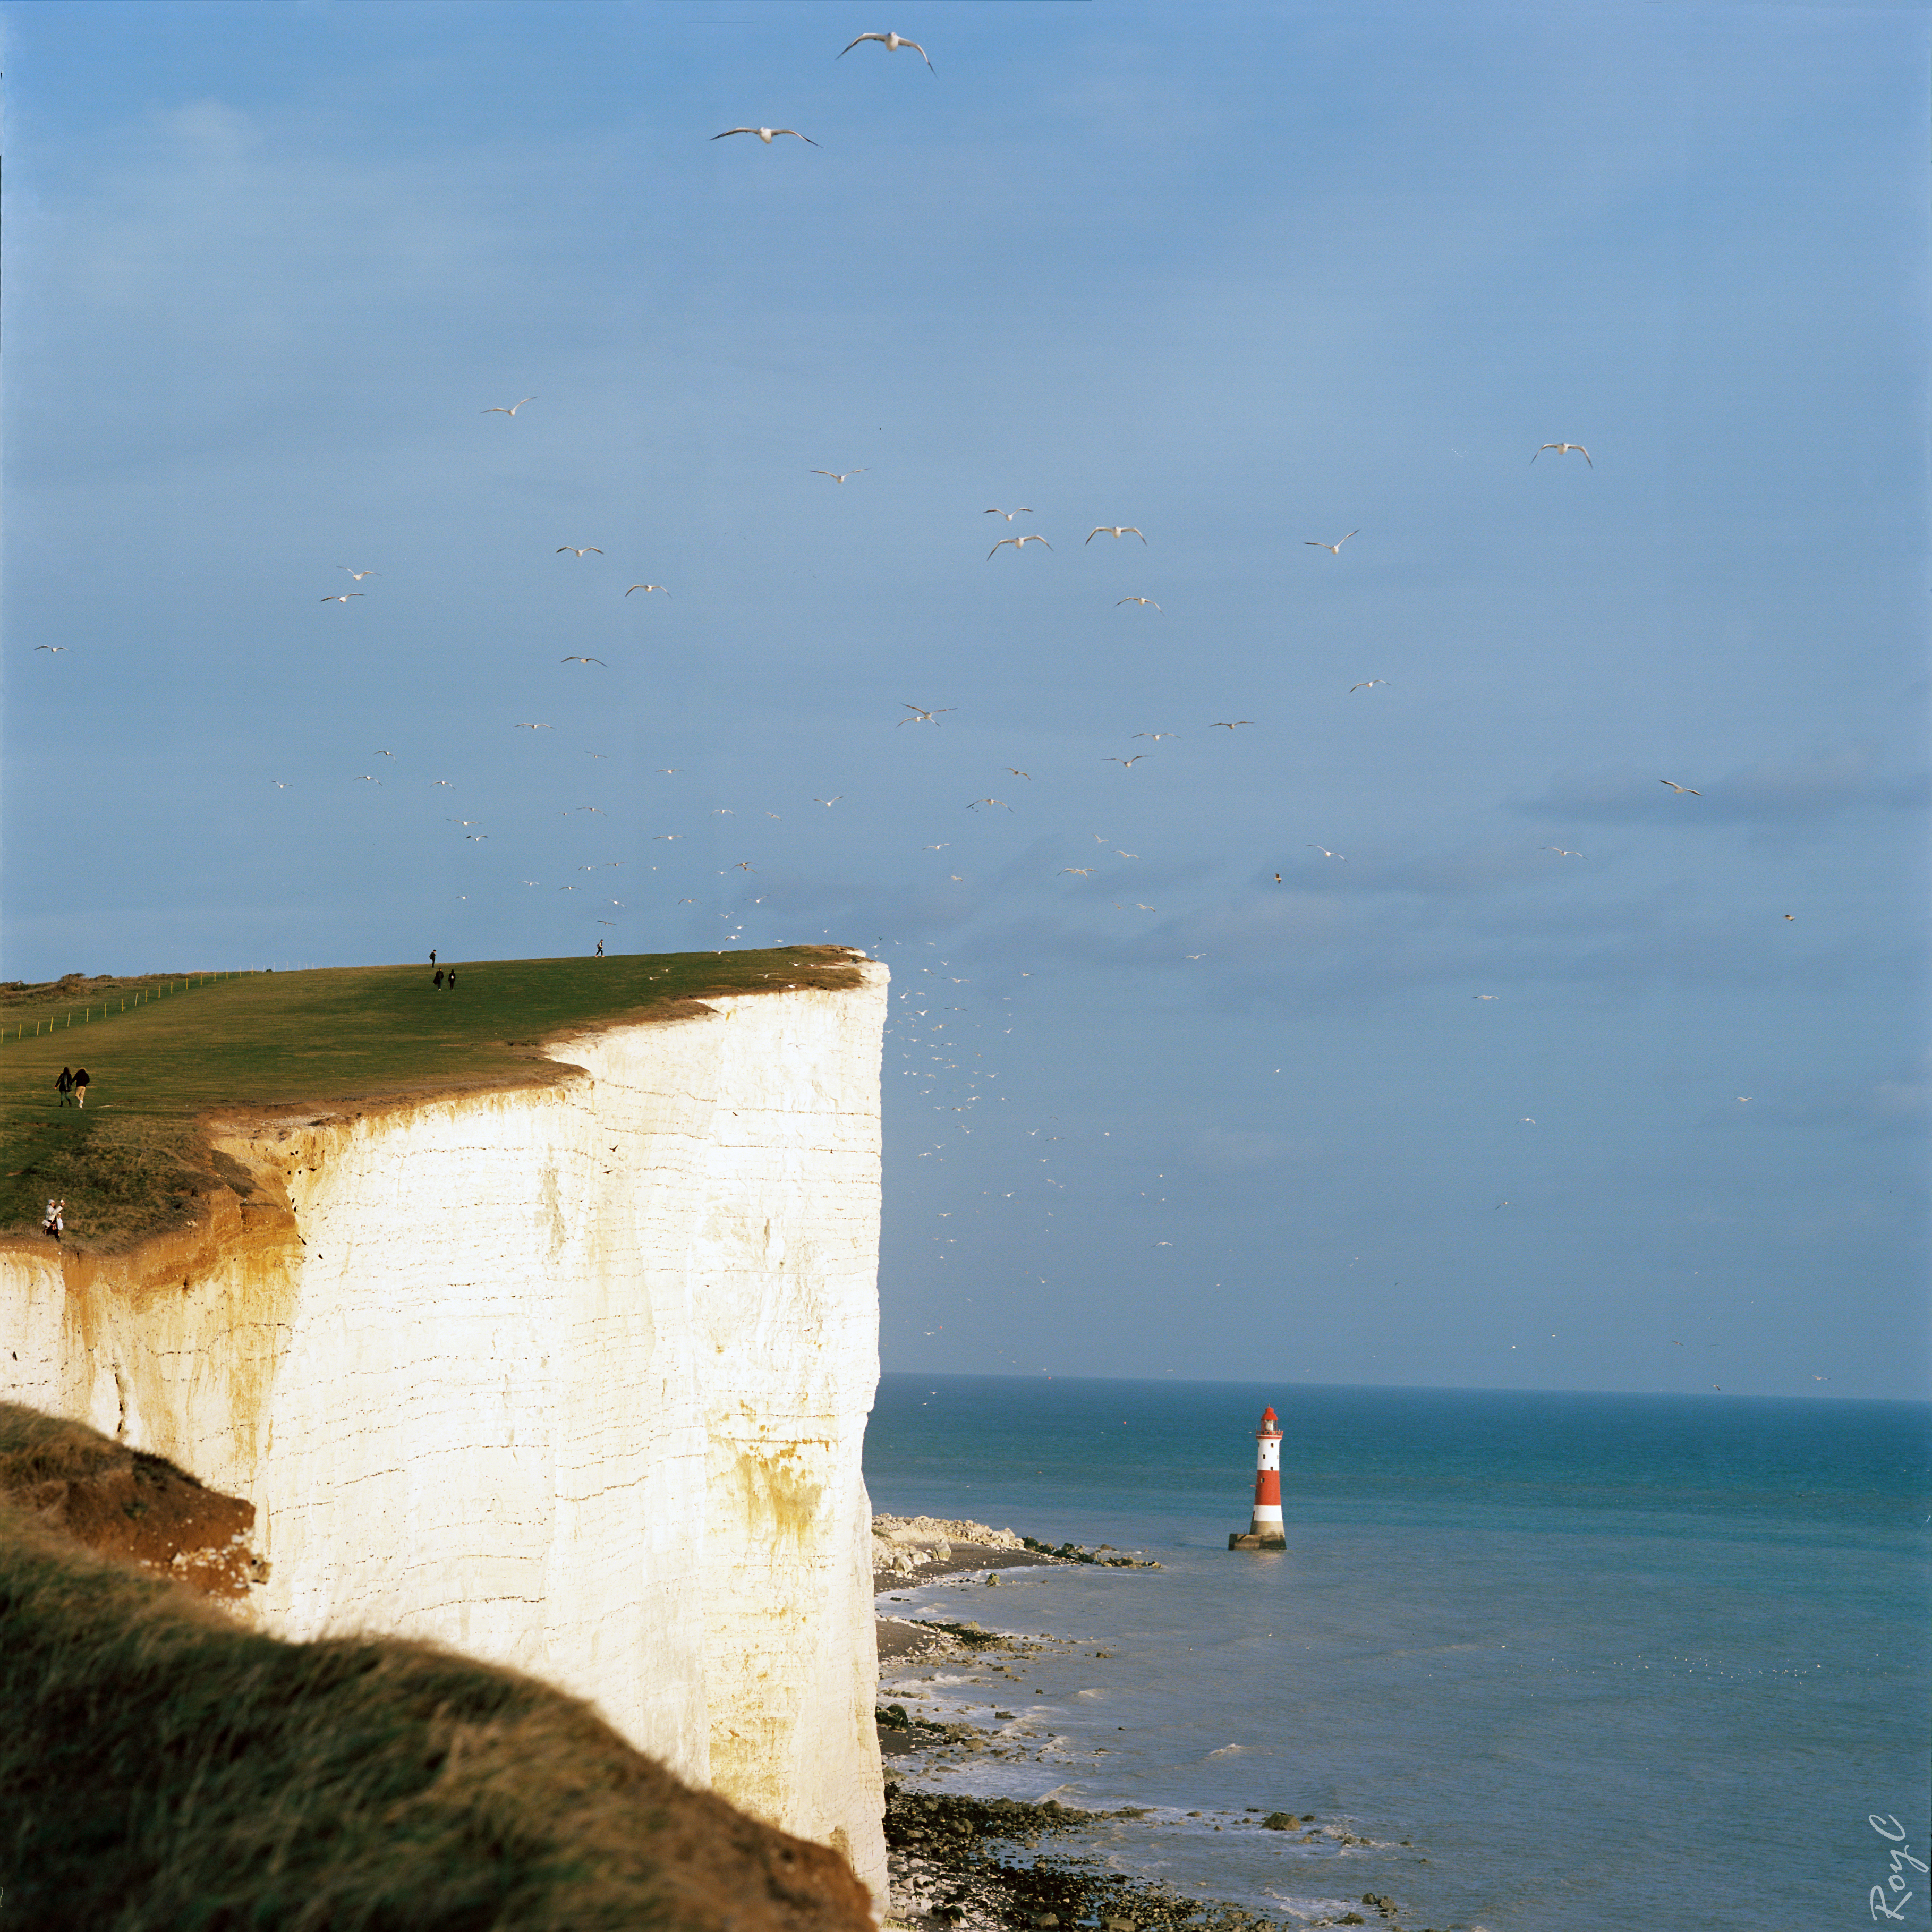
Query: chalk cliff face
(573, 1377)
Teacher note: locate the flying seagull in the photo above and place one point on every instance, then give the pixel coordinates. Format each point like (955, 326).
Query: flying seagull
(1675, 787)
(1127, 764)
(1327, 854)
(597, 661)
(358, 575)
(765, 134)
(50, 647)
(829, 802)
(588, 550)
(920, 717)
(1564, 449)
(979, 802)
(533, 727)
(497, 409)
(1332, 549)
(1368, 684)
(836, 476)
(1561, 853)
(647, 586)
(1115, 530)
(343, 598)
(1228, 723)
(892, 43)
(1119, 601)
(1156, 736)
(1018, 774)
(1018, 543)
(1023, 511)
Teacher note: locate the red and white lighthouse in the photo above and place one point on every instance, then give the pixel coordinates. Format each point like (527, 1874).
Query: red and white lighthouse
(1264, 1528)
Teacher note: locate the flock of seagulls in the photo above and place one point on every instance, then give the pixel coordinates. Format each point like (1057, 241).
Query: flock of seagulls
(940, 1040)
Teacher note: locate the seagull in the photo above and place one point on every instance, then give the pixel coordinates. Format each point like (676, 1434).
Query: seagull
(1115, 530)
(978, 802)
(1119, 602)
(476, 837)
(1017, 542)
(497, 409)
(1126, 764)
(647, 586)
(1486, 996)
(358, 575)
(1675, 787)
(1562, 853)
(597, 660)
(765, 134)
(829, 802)
(1368, 684)
(1327, 854)
(892, 43)
(533, 727)
(363, 778)
(1564, 449)
(1156, 736)
(281, 785)
(1334, 549)
(1228, 723)
(1017, 773)
(1023, 511)
(1084, 871)
(344, 598)
(588, 550)
(50, 647)
(439, 781)
(836, 476)
(920, 717)
(380, 754)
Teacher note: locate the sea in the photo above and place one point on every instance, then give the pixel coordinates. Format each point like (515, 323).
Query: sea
(1556, 1662)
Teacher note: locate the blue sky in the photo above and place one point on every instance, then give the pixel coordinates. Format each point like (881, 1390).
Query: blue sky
(1447, 1108)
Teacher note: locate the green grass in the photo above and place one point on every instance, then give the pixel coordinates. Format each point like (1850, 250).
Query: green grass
(136, 1154)
(163, 1770)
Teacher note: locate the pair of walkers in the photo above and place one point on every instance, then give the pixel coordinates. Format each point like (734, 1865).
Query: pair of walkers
(446, 982)
(72, 1087)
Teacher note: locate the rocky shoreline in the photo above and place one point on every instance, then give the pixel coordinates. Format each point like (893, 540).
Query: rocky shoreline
(994, 1864)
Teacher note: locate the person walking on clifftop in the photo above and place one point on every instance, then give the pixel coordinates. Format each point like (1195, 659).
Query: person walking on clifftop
(80, 1086)
(65, 1085)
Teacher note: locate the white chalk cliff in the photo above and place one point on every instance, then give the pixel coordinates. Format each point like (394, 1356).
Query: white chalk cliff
(570, 1376)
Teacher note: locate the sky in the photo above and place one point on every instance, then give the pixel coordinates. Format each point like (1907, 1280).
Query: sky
(1413, 1031)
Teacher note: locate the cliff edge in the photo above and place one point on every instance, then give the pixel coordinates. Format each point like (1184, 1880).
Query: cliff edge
(569, 1373)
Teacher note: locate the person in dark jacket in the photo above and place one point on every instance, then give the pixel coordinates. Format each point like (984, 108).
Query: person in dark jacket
(439, 979)
(65, 1085)
(80, 1086)
(449, 985)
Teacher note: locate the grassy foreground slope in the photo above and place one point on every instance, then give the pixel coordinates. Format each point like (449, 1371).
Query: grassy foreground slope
(136, 1155)
(163, 1769)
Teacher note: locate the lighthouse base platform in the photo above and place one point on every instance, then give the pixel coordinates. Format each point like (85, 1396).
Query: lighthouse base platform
(1251, 1541)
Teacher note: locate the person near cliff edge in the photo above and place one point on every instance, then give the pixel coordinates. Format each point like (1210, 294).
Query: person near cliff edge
(80, 1086)
(51, 1222)
(600, 948)
(65, 1085)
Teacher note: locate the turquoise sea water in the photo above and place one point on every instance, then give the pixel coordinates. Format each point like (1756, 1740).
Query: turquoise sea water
(1603, 1661)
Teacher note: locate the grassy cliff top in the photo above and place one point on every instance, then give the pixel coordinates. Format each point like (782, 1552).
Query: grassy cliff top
(162, 1051)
